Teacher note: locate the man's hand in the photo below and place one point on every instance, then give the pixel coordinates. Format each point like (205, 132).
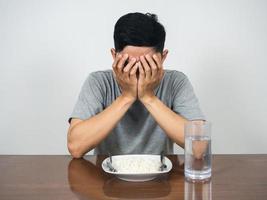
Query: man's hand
(150, 75)
(126, 75)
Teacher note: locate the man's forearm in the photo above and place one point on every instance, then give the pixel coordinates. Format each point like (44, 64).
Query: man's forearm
(87, 134)
(169, 121)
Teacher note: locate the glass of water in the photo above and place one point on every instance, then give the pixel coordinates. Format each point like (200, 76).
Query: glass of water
(197, 150)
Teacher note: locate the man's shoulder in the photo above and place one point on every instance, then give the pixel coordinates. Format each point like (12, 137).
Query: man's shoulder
(174, 75)
(99, 76)
(101, 73)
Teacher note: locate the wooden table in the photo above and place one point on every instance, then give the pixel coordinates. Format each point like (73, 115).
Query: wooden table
(61, 177)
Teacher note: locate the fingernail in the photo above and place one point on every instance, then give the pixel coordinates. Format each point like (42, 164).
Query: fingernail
(133, 59)
(154, 56)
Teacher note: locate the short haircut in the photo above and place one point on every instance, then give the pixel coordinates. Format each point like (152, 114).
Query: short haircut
(138, 29)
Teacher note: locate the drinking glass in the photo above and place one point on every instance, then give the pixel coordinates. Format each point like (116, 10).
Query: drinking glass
(198, 158)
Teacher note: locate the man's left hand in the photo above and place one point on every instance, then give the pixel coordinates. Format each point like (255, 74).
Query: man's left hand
(150, 74)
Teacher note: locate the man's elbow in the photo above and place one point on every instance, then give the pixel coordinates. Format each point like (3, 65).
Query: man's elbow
(75, 150)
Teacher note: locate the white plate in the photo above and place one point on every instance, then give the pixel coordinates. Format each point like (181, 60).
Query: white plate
(137, 177)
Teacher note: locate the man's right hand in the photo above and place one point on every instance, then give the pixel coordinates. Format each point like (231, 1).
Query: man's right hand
(126, 75)
(84, 135)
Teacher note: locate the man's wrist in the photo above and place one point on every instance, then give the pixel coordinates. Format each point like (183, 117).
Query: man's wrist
(127, 99)
(148, 99)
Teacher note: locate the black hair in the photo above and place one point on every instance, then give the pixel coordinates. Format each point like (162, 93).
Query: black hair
(138, 29)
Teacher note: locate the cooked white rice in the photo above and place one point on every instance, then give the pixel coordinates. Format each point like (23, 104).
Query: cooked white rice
(136, 165)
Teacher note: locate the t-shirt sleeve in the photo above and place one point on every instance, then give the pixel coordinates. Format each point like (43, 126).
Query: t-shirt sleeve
(90, 100)
(185, 102)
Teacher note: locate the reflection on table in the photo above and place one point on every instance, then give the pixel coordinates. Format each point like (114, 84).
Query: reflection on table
(88, 181)
(198, 190)
(29, 177)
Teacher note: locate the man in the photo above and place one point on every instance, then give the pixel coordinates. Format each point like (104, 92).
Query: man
(137, 107)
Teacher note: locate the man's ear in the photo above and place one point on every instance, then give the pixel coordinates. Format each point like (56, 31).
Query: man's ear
(164, 55)
(113, 53)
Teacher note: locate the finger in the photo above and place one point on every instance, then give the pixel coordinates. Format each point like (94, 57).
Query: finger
(153, 66)
(126, 73)
(127, 69)
(116, 60)
(141, 72)
(129, 65)
(159, 65)
(157, 60)
(146, 67)
(121, 62)
(134, 69)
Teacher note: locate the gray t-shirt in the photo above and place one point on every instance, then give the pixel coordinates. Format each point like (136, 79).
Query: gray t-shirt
(137, 132)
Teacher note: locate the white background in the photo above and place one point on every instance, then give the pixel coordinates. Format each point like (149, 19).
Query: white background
(47, 48)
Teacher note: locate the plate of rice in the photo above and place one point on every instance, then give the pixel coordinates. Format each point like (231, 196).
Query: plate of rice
(138, 167)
